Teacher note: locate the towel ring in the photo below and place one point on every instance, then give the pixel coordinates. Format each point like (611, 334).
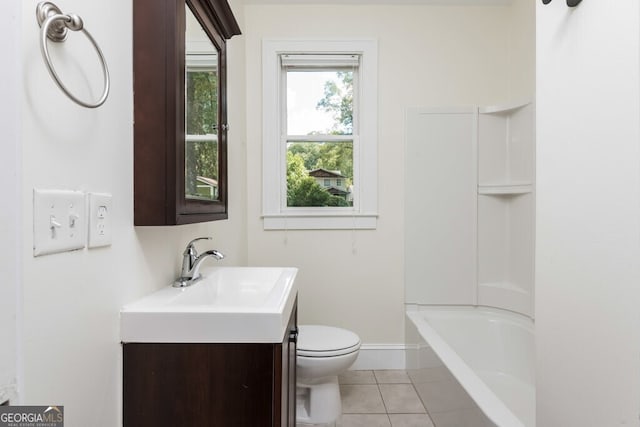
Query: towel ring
(54, 25)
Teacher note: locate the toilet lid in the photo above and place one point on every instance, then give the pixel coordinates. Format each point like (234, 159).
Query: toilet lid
(326, 341)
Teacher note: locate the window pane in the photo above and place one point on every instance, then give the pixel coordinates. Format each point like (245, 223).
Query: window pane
(201, 145)
(319, 102)
(313, 165)
(201, 174)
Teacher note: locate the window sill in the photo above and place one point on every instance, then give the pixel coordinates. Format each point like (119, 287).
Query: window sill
(320, 221)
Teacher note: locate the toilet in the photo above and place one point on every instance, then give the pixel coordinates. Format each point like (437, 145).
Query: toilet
(323, 353)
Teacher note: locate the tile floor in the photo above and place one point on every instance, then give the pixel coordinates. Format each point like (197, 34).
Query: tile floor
(429, 397)
(381, 399)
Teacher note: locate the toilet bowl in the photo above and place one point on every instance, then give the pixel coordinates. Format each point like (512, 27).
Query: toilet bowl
(323, 352)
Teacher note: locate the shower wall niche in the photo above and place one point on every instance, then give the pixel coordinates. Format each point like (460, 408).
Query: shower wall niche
(470, 205)
(506, 207)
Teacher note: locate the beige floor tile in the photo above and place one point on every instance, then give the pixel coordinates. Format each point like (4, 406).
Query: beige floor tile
(442, 396)
(461, 418)
(363, 420)
(401, 399)
(361, 399)
(357, 377)
(426, 375)
(410, 420)
(392, 377)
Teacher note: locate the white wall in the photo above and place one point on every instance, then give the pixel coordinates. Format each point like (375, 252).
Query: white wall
(428, 55)
(71, 300)
(588, 214)
(522, 50)
(10, 206)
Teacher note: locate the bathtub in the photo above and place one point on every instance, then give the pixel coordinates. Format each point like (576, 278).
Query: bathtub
(489, 352)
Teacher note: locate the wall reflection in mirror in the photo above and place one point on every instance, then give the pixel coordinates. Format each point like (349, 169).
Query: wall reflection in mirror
(201, 113)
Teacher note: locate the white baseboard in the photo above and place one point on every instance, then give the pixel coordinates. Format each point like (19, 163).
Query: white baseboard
(381, 356)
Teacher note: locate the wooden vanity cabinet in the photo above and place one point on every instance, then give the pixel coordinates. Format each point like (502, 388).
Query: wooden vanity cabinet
(211, 384)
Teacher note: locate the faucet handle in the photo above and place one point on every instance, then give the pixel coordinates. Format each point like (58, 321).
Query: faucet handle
(190, 249)
(199, 238)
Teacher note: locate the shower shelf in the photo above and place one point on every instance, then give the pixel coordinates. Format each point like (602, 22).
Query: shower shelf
(506, 206)
(505, 189)
(509, 286)
(503, 109)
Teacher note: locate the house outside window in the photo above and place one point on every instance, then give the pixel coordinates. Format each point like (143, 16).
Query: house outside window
(319, 134)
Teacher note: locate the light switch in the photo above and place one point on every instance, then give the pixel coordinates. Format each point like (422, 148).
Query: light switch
(59, 221)
(100, 230)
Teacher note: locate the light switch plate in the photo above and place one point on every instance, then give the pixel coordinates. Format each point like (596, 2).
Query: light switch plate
(59, 221)
(100, 213)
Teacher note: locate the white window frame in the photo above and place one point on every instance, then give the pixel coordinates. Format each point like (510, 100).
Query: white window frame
(364, 213)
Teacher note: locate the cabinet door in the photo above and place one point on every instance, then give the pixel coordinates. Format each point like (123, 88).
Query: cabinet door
(180, 165)
(193, 384)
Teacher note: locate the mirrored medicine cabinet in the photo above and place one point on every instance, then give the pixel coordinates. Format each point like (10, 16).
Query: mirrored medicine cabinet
(180, 110)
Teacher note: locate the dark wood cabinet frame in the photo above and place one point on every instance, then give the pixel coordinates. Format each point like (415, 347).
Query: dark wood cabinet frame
(159, 109)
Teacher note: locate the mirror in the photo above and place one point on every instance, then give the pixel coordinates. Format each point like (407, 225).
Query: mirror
(201, 113)
(180, 120)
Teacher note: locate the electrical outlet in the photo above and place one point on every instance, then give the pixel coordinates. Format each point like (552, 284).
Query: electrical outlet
(58, 221)
(100, 232)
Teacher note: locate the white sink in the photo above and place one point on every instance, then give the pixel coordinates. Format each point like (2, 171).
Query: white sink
(230, 304)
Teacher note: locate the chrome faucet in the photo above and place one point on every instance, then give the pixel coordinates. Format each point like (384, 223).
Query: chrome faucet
(191, 262)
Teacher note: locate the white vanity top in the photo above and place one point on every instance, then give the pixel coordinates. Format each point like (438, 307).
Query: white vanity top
(228, 305)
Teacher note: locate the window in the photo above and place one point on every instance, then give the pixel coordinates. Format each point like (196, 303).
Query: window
(320, 127)
(319, 134)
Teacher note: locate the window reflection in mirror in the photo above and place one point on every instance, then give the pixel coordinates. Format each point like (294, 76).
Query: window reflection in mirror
(201, 113)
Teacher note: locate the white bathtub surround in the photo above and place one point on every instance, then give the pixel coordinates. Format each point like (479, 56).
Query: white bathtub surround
(489, 352)
(469, 244)
(470, 241)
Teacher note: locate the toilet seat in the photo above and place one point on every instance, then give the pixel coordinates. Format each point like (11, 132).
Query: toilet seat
(326, 341)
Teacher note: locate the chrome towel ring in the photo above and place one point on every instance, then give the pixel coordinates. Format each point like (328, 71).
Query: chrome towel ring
(54, 25)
